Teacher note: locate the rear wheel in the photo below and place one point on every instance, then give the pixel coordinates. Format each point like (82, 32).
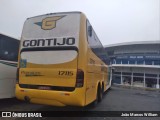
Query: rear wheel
(99, 93)
(102, 89)
(99, 96)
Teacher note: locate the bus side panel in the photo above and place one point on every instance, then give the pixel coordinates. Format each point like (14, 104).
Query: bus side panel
(96, 74)
(83, 51)
(7, 79)
(96, 68)
(90, 78)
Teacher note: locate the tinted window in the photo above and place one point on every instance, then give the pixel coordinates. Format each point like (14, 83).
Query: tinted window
(95, 44)
(8, 48)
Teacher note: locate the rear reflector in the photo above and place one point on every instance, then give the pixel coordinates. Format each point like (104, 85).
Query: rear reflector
(22, 90)
(80, 78)
(67, 94)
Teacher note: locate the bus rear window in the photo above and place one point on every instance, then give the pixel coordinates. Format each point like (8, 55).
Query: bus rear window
(49, 57)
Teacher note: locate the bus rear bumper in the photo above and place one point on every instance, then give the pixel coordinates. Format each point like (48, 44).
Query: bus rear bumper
(54, 98)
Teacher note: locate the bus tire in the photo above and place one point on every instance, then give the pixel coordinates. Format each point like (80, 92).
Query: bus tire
(102, 89)
(95, 102)
(99, 93)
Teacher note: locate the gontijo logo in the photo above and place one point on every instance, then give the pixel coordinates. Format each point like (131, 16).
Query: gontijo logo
(49, 22)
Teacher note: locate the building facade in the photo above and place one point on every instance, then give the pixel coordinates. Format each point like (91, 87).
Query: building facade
(135, 63)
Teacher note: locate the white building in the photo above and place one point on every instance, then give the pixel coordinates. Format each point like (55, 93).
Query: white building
(135, 63)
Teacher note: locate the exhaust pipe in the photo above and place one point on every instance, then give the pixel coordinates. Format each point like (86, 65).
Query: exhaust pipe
(27, 99)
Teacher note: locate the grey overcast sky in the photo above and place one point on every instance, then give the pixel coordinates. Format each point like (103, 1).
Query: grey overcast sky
(114, 21)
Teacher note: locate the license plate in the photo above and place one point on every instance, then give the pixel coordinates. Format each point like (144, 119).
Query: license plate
(44, 88)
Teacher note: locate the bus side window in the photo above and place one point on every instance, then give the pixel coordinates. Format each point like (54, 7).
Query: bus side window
(90, 31)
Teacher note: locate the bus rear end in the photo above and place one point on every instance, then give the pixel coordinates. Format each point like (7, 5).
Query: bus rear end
(48, 61)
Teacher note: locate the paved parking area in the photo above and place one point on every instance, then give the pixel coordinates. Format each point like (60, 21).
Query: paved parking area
(117, 99)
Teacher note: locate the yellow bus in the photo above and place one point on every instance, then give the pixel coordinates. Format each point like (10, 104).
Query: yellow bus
(61, 61)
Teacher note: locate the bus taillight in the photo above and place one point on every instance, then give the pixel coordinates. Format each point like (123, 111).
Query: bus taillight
(80, 78)
(17, 76)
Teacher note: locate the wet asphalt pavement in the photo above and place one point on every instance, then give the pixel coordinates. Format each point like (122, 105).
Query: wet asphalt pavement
(116, 99)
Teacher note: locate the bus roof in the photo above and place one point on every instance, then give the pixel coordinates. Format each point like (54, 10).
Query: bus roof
(56, 13)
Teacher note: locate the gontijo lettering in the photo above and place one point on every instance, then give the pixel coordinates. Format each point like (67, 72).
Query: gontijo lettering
(49, 42)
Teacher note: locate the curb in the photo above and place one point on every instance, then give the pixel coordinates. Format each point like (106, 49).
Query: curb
(136, 87)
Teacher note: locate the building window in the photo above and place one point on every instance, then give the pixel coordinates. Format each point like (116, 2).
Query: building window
(138, 74)
(157, 62)
(8, 48)
(116, 79)
(151, 75)
(138, 81)
(126, 80)
(140, 62)
(117, 73)
(118, 61)
(151, 82)
(124, 61)
(148, 62)
(131, 61)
